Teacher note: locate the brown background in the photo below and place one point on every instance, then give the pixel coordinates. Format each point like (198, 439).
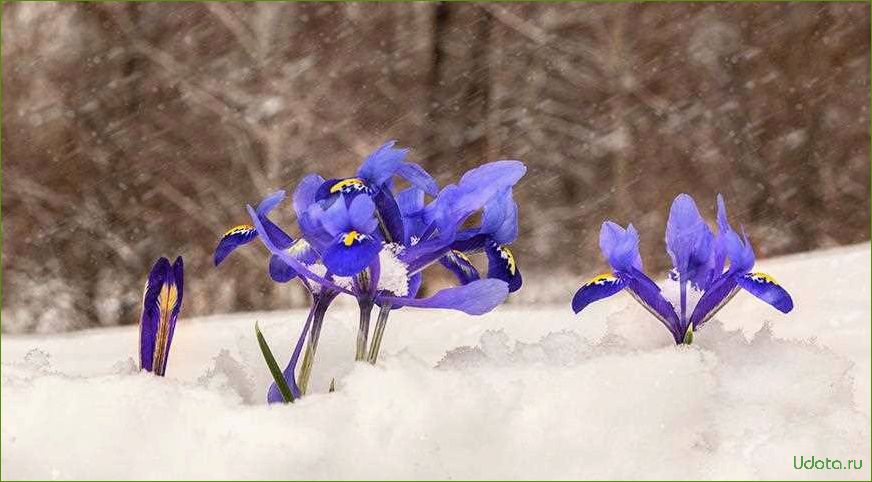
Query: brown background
(132, 131)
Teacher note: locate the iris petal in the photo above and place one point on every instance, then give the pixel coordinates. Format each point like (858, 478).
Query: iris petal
(767, 289)
(690, 242)
(151, 314)
(500, 218)
(389, 214)
(476, 298)
(350, 253)
(503, 266)
(361, 215)
(648, 294)
(716, 297)
(620, 247)
(386, 162)
(418, 177)
(595, 289)
(280, 271)
(303, 251)
(275, 233)
(179, 279)
(728, 244)
(306, 193)
(476, 188)
(334, 219)
(292, 261)
(232, 239)
(459, 264)
(382, 164)
(411, 205)
(270, 202)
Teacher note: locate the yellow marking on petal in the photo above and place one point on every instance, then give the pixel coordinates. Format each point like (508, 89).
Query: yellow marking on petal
(461, 255)
(763, 277)
(239, 229)
(601, 279)
(350, 182)
(166, 301)
(509, 257)
(351, 237)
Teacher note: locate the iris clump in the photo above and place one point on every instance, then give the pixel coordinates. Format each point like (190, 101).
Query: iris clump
(361, 236)
(709, 270)
(161, 304)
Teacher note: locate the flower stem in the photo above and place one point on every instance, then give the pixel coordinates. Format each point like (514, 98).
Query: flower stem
(312, 345)
(379, 332)
(683, 303)
(363, 330)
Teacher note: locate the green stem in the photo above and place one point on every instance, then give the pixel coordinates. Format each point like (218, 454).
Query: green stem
(379, 332)
(363, 330)
(312, 346)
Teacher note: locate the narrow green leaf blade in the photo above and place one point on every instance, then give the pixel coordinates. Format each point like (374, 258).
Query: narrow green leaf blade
(274, 369)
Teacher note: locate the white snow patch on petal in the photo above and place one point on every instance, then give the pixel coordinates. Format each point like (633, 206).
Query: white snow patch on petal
(393, 274)
(342, 281)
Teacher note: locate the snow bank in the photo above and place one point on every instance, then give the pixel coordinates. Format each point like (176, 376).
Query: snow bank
(529, 392)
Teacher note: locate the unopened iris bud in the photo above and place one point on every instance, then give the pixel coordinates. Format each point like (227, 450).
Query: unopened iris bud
(161, 304)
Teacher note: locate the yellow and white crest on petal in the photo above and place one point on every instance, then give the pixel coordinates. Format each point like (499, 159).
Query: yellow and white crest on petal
(762, 278)
(601, 279)
(242, 228)
(509, 257)
(461, 255)
(352, 237)
(352, 183)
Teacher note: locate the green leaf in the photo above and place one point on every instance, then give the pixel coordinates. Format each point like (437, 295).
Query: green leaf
(277, 374)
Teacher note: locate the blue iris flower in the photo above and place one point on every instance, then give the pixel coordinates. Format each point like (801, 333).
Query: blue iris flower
(437, 232)
(473, 299)
(361, 239)
(699, 259)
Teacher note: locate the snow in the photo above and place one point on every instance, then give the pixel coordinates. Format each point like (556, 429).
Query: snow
(523, 392)
(393, 273)
(671, 290)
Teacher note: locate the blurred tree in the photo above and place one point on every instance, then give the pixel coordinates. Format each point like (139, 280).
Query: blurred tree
(134, 130)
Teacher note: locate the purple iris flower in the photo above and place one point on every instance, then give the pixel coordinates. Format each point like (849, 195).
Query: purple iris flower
(436, 233)
(384, 268)
(161, 304)
(359, 238)
(699, 259)
(386, 281)
(471, 299)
